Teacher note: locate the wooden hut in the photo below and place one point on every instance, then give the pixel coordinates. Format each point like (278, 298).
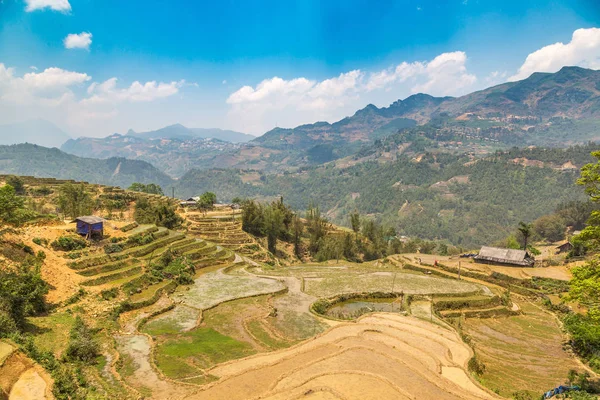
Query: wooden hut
(89, 225)
(495, 255)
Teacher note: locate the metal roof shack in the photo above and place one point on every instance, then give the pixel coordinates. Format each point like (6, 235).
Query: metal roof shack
(495, 255)
(89, 225)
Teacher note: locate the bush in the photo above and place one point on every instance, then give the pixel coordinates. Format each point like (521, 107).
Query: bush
(22, 294)
(129, 227)
(76, 297)
(112, 248)
(476, 366)
(82, 346)
(40, 241)
(161, 214)
(68, 243)
(109, 293)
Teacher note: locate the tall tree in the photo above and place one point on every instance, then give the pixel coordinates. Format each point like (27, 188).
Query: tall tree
(590, 179)
(316, 226)
(355, 222)
(298, 228)
(74, 201)
(526, 230)
(10, 203)
(151, 188)
(273, 226)
(16, 183)
(252, 218)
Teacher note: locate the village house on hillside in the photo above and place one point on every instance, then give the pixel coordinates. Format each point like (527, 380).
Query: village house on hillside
(89, 225)
(495, 255)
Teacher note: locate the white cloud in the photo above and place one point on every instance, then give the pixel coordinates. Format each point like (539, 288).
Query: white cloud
(107, 91)
(384, 79)
(81, 40)
(51, 86)
(56, 5)
(54, 78)
(301, 100)
(33, 68)
(59, 95)
(446, 75)
(583, 50)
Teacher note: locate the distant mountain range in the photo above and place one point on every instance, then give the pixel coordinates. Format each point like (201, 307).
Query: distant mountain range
(179, 131)
(174, 155)
(572, 93)
(550, 109)
(37, 131)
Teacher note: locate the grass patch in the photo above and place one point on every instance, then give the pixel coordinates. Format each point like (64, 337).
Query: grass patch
(126, 366)
(175, 367)
(255, 327)
(335, 282)
(149, 291)
(204, 347)
(52, 331)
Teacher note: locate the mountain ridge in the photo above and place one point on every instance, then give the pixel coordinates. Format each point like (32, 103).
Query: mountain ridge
(572, 92)
(178, 131)
(36, 131)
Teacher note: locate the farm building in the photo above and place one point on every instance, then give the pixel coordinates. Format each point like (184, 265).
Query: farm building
(567, 245)
(89, 225)
(564, 248)
(495, 255)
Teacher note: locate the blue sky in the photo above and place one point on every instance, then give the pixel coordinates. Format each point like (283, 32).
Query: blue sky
(251, 65)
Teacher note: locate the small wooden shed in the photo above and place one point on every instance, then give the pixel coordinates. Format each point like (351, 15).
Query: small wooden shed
(494, 255)
(89, 225)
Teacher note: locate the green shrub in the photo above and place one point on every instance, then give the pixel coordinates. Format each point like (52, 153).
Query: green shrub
(476, 366)
(109, 293)
(40, 241)
(69, 243)
(82, 346)
(129, 227)
(112, 248)
(76, 297)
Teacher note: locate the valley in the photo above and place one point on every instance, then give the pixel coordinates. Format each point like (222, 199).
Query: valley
(205, 310)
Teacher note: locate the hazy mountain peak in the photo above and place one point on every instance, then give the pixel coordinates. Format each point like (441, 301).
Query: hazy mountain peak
(36, 131)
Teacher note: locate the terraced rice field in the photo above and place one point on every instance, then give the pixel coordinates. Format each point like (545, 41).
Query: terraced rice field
(217, 287)
(521, 353)
(118, 269)
(380, 356)
(225, 229)
(245, 329)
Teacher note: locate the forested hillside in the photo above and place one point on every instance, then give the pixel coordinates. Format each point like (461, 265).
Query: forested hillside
(28, 159)
(435, 196)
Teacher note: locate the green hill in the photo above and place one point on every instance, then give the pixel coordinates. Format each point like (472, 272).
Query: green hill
(29, 159)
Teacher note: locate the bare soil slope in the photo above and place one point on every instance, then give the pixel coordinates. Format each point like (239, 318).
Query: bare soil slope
(380, 356)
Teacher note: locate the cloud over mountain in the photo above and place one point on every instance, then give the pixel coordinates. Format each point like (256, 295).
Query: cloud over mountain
(301, 99)
(583, 51)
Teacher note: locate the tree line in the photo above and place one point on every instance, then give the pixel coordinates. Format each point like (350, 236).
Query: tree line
(313, 236)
